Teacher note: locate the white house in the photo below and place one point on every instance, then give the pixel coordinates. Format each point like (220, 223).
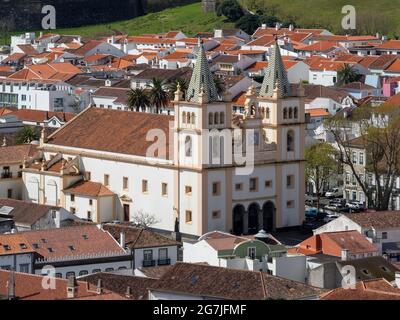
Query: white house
(381, 228)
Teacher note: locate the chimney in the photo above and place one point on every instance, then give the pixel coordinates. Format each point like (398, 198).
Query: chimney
(397, 279)
(99, 286)
(72, 287)
(128, 293)
(11, 286)
(41, 34)
(122, 241)
(4, 142)
(345, 255)
(264, 26)
(291, 27)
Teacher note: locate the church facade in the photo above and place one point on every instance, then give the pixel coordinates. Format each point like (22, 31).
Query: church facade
(203, 169)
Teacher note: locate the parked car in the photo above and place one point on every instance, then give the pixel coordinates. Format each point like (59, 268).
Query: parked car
(338, 200)
(355, 206)
(335, 192)
(330, 217)
(313, 213)
(334, 206)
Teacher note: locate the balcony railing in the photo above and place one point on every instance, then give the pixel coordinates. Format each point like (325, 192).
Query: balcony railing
(6, 175)
(149, 263)
(164, 262)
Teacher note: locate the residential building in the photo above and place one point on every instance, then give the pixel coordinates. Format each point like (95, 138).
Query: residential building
(259, 253)
(31, 216)
(380, 228)
(186, 281)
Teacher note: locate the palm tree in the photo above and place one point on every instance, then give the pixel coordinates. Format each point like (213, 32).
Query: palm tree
(138, 100)
(27, 134)
(173, 86)
(159, 97)
(347, 74)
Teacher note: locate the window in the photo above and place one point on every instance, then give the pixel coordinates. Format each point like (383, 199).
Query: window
(216, 186)
(267, 113)
(290, 141)
(296, 113)
(188, 190)
(96, 271)
(72, 210)
(193, 118)
(284, 113)
(9, 193)
(183, 117)
(58, 275)
(384, 235)
(268, 183)
(70, 274)
(89, 215)
(210, 118)
(83, 273)
(188, 216)
(88, 175)
(290, 204)
(361, 158)
(125, 182)
(251, 252)
(188, 146)
(144, 186)
(290, 113)
(72, 248)
(109, 269)
(290, 181)
(334, 79)
(253, 184)
(148, 255)
(106, 180)
(90, 202)
(216, 214)
(163, 253)
(23, 97)
(164, 189)
(50, 250)
(53, 214)
(221, 117)
(354, 154)
(239, 186)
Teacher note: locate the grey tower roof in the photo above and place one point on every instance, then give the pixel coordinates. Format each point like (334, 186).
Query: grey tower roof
(202, 79)
(275, 75)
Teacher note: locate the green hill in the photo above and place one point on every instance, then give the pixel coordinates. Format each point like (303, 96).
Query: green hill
(190, 19)
(372, 15)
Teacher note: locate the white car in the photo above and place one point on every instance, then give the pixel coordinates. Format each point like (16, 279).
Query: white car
(330, 217)
(334, 193)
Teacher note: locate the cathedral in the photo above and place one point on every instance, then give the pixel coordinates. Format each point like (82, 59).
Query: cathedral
(216, 171)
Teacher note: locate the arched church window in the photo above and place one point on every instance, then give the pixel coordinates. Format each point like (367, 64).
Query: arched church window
(193, 118)
(267, 113)
(210, 118)
(290, 141)
(216, 117)
(296, 113)
(188, 121)
(284, 113)
(222, 117)
(290, 113)
(184, 117)
(188, 146)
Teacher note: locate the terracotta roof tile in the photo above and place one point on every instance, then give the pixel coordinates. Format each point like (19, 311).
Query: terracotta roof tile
(17, 153)
(95, 129)
(89, 188)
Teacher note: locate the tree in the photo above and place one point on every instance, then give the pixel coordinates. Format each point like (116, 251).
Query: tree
(27, 134)
(230, 9)
(138, 100)
(144, 219)
(248, 23)
(158, 96)
(381, 142)
(321, 163)
(173, 86)
(347, 74)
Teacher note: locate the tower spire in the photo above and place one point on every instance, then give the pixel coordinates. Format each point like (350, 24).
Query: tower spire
(275, 76)
(202, 78)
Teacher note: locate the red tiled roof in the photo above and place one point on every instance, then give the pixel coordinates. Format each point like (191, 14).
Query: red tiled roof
(95, 129)
(40, 116)
(89, 188)
(14, 244)
(16, 154)
(318, 112)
